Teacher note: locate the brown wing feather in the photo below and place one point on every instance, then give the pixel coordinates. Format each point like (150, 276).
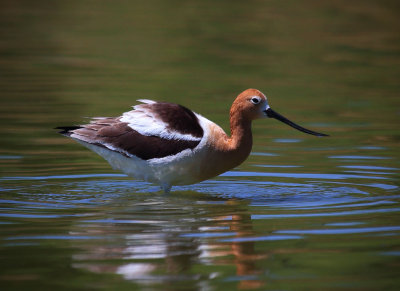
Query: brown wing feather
(177, 117)
(118, 136)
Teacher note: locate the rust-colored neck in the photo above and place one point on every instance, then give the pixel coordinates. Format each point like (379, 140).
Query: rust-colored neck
(227, 152)
(241, 139)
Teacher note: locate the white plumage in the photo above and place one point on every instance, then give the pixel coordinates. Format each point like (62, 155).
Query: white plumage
(168, 144)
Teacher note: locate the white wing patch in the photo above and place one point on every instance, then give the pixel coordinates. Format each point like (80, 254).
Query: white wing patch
(147, 101)
(145, 121)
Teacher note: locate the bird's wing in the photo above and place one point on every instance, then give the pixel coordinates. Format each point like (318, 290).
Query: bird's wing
(165, 120)
(150, 130)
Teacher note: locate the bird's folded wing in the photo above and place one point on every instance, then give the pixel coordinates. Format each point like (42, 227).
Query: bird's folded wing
(151, 130)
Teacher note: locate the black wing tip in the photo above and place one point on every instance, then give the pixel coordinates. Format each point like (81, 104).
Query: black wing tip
(67, 130)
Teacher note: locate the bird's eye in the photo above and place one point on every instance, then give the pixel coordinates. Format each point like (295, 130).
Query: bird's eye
(255, 100)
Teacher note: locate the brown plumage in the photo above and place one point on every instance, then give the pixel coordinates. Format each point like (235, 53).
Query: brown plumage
(169, 144)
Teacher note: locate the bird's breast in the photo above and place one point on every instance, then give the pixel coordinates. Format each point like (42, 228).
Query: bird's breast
(219, 153)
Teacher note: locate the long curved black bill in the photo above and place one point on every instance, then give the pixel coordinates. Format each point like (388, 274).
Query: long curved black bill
(272, 114)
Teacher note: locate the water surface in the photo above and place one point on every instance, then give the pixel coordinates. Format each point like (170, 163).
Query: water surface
(302, 213)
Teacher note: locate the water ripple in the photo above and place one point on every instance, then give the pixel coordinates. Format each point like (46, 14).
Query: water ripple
(339, 213)
(261, 238)
(53, 237)
(300, 175)
(124, 221)
(341, 230)
(82, 176)
(352, 157)
(367, 167)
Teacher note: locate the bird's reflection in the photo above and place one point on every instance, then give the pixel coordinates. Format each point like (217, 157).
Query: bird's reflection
(194, 244)
(245, 256)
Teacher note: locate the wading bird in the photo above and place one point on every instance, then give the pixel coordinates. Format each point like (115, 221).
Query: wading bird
(168, 144)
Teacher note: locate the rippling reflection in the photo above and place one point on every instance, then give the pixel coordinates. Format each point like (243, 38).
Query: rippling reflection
(224, 230)
(179, 245)
(301, 213)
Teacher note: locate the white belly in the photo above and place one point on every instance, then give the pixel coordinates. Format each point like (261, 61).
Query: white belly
(180, 169)
(187, 167)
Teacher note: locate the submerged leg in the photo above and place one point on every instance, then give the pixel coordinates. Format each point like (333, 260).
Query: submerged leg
(166, 187)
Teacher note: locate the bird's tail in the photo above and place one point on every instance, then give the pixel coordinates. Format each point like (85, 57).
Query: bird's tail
(67, 130)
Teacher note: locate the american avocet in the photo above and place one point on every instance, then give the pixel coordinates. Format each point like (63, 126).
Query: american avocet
(168, 144)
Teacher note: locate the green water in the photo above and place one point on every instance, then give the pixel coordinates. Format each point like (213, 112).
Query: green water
(302, 213)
